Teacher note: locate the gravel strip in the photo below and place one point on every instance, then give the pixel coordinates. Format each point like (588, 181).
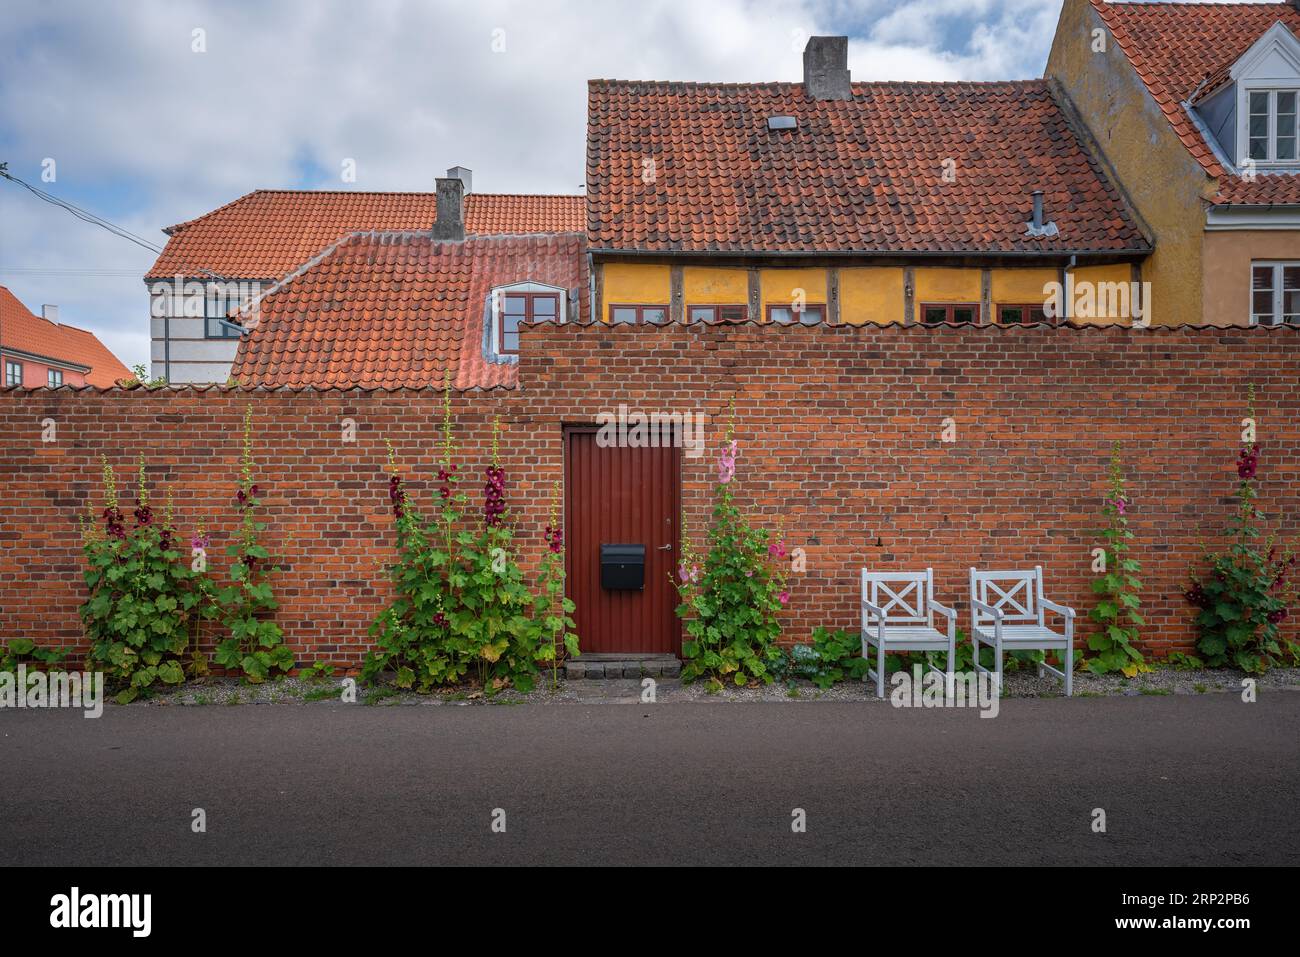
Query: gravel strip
(1022, 684)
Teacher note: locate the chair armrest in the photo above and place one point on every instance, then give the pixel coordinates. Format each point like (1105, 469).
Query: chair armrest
(943, 609)
(989, 610)
(1059, 609)
(874, 609)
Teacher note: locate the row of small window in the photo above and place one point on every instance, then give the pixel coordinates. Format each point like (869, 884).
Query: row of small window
(810, 315)
(14, 375)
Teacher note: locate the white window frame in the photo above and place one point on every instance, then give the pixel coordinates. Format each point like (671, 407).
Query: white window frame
(51, 375)
(1278, 314)
(496, 303)
(1272, 159)
(1272, 66)
(12, 364)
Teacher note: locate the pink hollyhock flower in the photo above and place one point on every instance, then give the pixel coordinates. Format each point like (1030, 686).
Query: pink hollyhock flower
(727, 462)
(776, 550)
(784, 597)
(1120, 503)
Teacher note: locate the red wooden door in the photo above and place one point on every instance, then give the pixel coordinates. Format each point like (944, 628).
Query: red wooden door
(622, 496)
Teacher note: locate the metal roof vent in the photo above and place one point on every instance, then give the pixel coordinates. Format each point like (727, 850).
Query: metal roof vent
(782, 123)
(1036, 227)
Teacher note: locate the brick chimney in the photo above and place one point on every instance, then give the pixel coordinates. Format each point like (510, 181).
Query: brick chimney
(826, 68)
(450, 223)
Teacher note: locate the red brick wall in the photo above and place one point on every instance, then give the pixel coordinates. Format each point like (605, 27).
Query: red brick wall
(840, 443)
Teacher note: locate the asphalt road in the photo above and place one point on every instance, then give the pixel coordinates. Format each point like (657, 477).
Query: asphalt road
(1202, 780)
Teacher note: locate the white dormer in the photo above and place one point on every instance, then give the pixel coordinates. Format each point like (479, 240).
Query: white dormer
(1267, 83)
(520, 302)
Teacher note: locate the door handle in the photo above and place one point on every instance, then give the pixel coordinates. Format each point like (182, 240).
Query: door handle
(666, 548)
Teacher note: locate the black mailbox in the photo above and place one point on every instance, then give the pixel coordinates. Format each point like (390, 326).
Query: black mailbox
(622, 567)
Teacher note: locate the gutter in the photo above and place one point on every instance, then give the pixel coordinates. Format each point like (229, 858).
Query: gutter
(48, 360)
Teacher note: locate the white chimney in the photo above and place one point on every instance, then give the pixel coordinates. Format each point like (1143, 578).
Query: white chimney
(51, 313)
(466, 176)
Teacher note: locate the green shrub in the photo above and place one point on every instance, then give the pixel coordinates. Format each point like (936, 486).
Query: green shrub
(1242, 595)
(462, 608)
(24, 651)
(144, 600)
(255, 644)
(732, 598)
(1117, 613)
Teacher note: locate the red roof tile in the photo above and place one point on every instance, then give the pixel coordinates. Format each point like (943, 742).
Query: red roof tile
(269, 232)
(23, 331)
(393, 310)
(694, 167)
(1177, 47)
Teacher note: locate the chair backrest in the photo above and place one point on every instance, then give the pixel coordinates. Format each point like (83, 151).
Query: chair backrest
(1014, 593)
(903, 596)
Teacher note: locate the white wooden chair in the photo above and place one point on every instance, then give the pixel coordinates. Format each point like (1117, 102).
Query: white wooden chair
(1008, 613)
(898, 615)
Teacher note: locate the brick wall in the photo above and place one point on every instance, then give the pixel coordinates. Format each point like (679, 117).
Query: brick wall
(840, 432)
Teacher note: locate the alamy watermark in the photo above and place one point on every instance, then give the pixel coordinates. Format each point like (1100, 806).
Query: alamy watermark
(930, 689)
(53, 689)
(634, 429)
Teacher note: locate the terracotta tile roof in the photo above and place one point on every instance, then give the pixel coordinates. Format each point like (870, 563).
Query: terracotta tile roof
(394, 310)
(22, 330)
(861, 175)
(269, 232)
(1178, 48)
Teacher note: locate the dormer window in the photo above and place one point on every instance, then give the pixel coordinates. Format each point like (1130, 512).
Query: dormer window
(1272, 125)
(512, 305)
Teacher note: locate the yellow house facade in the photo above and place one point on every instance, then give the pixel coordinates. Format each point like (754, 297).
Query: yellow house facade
(861, 294)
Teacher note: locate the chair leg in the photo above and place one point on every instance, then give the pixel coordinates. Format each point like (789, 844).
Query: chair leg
(880, 671)
(1069, 670)
(997, 651)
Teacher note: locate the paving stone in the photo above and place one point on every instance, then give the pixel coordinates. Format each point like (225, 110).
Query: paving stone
(575, 669)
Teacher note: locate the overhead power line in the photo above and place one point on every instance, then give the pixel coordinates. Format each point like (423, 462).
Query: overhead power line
(83, 214)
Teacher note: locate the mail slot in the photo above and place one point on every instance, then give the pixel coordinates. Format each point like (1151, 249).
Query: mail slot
(622, 567)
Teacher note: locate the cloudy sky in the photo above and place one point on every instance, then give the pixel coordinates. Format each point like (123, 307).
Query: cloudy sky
(146, 130)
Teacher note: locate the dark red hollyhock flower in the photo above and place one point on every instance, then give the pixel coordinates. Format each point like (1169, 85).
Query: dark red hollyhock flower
(165, 539)
(397, 495)
(440, 620)
(143, 514)
(1196, 596)
(1277, 617)
(114, 523)
(250, 562)
(554, 539)
(494, 499)
(1248, 462)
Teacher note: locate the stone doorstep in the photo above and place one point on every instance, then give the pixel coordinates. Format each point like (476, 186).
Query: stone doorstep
(619, 666)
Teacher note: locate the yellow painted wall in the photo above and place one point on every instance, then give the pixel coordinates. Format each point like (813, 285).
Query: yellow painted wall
(1162, 179)
(1099, 277)
(1021, 286)
(702, 286)
(948, 285)
(781, 287)
(635, 284)
(867, 293)
(871, 294)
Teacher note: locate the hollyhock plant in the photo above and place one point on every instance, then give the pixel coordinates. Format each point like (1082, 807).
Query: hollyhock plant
(1242, 596)
(462, 610)
(1116, 616)
(255, 643)
(145, 600)
(731, 595)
